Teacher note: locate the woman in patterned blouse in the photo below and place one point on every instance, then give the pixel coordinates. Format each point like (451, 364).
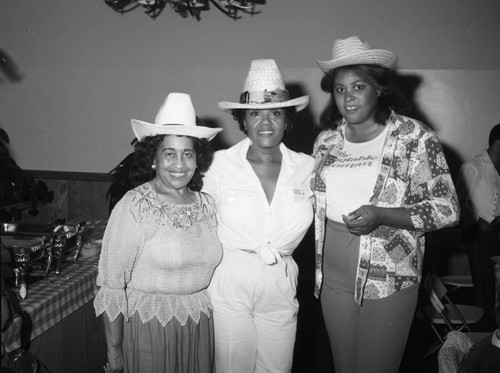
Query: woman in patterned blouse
(160, 250)
(380, 181)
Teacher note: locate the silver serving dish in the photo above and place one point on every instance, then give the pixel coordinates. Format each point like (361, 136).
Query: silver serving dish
(42, 245)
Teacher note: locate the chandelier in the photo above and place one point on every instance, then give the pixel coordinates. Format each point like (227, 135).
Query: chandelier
(193, 8)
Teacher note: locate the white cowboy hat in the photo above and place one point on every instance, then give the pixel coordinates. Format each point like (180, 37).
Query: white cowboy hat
(264, 89)
(354, 51)
(175, 117)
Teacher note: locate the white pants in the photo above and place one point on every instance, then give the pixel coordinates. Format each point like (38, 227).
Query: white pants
(255, 314)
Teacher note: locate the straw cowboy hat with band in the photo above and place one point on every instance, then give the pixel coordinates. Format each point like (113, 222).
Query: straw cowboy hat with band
(354, 51)
(264, 89)
(175, 117)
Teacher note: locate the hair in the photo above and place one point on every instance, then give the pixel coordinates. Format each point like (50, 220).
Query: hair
(494, 134)
(382, 78)
(145, 154)
(239, 116)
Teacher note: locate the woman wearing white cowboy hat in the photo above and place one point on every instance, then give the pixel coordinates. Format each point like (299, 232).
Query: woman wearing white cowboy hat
(264, 208)
(381, 181)
(160, 250)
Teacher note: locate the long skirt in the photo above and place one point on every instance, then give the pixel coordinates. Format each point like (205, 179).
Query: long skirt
(175, 348)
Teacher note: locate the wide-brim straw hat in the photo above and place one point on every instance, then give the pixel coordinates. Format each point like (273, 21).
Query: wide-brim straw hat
(175, 117)
(264, 89)
(354, 51)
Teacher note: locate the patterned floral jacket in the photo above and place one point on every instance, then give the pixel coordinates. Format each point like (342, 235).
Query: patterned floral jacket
(413, 174)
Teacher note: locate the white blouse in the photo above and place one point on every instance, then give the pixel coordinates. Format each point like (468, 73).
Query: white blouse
(246, 220)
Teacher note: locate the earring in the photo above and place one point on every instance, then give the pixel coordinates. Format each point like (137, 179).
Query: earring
(153, 166)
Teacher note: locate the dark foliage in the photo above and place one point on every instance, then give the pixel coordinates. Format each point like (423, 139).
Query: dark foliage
(122, 183)
(19, 190)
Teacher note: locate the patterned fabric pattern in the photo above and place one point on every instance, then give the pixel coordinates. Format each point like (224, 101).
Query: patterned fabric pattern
(178, 217)
(413, 174)
(454, 349)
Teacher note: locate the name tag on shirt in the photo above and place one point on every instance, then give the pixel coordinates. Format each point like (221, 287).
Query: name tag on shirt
(301, 194)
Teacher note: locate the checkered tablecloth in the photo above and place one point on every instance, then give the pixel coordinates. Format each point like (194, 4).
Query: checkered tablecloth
(48, 302)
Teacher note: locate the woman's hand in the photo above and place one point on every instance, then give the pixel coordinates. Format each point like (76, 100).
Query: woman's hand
(368, 217)
(363, 220)
(115, 360)
(113, 331)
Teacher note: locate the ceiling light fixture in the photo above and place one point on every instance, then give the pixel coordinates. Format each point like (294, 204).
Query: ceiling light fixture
(153, 8)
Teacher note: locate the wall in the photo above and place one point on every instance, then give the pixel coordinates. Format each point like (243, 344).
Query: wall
(84, 70)
(77, 196)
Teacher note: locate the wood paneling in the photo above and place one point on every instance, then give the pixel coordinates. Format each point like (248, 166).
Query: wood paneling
(86, 198)
(76, 195)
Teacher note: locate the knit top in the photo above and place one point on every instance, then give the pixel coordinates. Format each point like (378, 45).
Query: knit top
(158, 258)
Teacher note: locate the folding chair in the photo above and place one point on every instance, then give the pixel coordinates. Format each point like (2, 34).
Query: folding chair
(457, 281)
(443, 315)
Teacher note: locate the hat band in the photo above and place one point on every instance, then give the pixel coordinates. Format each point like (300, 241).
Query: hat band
(264, 97)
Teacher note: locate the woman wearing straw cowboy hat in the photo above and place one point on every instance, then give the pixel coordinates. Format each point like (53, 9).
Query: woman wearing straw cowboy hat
(381, 181)
(264, 208)
(160, 250)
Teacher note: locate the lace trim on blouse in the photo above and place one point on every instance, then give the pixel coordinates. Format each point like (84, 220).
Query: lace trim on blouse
(163, 307)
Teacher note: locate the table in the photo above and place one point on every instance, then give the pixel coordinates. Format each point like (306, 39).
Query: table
(61, 326)
(48, 302)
